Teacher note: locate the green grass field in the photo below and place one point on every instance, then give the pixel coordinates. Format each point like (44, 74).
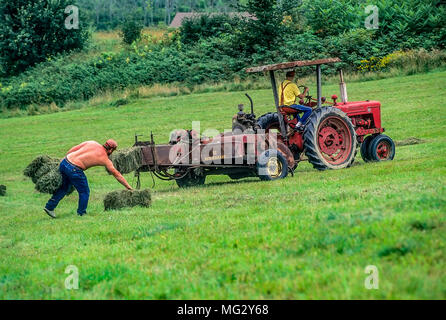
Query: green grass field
(310, 236)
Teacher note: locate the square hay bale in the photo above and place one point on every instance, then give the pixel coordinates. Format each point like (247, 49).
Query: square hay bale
(49, 182)
(127, 160)
(127, 198)
(2, 190)
(44, 172)
(44, 169)
(32, 169)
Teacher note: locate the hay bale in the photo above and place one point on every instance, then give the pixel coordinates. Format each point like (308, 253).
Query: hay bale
(49, 182)
(127, 160)
(44, 172)
(2, 190)
(44, 169)
(36, 164)
(127, 198)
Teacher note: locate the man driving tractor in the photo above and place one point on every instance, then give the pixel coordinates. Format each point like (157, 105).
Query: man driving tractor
(289, 92)
(78, 159)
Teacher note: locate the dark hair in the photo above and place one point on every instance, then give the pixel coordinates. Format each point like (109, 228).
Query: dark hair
(291, 73)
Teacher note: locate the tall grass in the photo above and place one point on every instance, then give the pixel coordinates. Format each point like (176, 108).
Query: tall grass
(112, 40)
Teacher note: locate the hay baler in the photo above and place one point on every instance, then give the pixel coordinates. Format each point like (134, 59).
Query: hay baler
(188, 158)
(270, 146)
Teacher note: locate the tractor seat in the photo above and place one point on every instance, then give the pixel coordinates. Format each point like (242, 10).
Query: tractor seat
(288, 111)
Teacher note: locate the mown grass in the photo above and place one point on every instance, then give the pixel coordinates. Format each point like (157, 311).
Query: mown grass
(305, 237)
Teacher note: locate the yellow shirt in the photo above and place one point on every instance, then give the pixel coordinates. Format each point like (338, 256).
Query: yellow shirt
(290, 93)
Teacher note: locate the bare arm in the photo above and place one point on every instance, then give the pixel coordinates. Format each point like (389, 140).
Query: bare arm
(75, 148)
(111, 169)
(304, 94)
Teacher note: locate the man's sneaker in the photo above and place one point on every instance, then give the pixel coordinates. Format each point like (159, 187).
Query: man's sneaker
(299, 127)
(50, 213)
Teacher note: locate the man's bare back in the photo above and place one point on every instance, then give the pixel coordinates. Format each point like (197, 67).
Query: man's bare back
(90, 154)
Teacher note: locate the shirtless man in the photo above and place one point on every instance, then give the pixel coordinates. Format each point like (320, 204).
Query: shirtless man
(78, 159)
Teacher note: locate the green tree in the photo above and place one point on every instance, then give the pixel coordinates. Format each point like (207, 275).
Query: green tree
(206, 26)
(131, 31)
(328, 18)
(33, 30)
(268, 29)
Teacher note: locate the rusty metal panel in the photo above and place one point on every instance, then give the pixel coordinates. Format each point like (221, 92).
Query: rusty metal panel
(292, 64)
(147, 157)
(162, 155)
(184, 154)
(215, 151)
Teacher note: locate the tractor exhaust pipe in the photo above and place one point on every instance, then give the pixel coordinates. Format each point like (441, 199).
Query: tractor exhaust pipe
(342, 87)
(250, 101)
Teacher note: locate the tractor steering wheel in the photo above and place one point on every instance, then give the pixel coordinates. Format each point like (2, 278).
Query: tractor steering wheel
(307, 97)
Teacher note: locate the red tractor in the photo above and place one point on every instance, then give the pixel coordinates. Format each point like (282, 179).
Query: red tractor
(333, 130)
(268, 146)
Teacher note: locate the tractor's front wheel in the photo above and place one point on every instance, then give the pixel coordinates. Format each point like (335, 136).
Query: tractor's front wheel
(192, 178)
(329, 139)
(381, 148)
(365, 149)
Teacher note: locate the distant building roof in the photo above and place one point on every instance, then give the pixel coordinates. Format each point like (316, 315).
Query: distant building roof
(180, 16)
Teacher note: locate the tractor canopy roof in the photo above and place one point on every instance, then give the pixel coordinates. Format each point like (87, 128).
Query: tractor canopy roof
(291, 64)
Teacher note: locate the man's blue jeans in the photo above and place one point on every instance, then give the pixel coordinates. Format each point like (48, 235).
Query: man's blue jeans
(71, 175)
(306, 110)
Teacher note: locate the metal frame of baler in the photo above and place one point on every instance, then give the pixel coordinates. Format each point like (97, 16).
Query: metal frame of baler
(160, 170)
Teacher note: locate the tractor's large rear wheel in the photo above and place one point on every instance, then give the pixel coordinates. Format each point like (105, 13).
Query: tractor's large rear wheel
(329, 139)
(269, 121)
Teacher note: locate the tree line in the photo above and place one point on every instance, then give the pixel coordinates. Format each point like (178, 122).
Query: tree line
(109, 14)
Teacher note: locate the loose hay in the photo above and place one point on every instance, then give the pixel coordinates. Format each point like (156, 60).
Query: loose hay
(127, 198)
(409, 141)
(127, 160)
(2, 190)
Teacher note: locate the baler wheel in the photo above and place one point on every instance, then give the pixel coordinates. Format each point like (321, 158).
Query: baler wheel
(329, 139)
(381, 148)
(365, 149)
(191, 179)
(272, 165)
